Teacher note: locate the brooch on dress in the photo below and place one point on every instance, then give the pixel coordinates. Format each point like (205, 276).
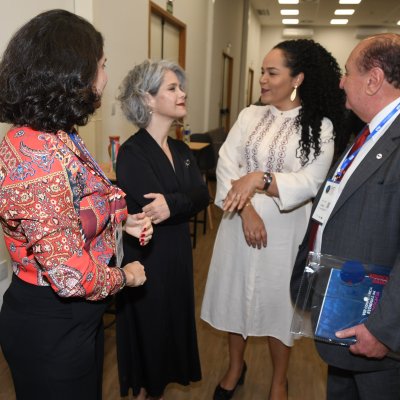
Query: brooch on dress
(187, 163)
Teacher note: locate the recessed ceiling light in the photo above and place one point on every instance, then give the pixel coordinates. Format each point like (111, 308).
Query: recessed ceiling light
(289, 12)
(349, 1)
(290, 21)
(288, 1)
(344, 12)
(337, 21)
(398, 22)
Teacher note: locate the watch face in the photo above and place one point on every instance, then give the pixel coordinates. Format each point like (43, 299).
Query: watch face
(267, 180)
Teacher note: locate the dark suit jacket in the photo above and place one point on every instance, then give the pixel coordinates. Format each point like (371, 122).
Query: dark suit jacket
(365, 225)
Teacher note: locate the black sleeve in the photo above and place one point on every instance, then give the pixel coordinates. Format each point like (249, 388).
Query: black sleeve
(194, 196)
(137, 176)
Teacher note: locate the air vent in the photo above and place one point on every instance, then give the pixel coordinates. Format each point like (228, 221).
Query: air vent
(298, 32)
(363, 33)
(263, 12)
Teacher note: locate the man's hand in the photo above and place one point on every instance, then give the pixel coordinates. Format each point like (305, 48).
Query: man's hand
(367, 345)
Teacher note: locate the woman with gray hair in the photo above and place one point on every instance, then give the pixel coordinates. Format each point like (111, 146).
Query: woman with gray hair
(156, 332)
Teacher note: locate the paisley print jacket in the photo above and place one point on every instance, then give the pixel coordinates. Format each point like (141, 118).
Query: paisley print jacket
(59, 214)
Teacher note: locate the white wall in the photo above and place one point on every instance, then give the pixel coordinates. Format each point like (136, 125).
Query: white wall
(226, 14)
(253, 52)
(194, 13)
(339, 41)
(123, 24)
(126, 44)
(19, 12)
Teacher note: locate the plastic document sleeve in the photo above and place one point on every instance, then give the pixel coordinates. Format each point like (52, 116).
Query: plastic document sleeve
(336, 294)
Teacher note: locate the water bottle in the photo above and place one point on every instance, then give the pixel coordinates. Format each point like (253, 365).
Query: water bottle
(186, 134)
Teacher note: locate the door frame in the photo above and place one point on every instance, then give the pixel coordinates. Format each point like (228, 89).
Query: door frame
(155, 9)
(224, 112)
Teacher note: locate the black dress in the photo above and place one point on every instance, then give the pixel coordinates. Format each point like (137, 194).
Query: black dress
(156, 331)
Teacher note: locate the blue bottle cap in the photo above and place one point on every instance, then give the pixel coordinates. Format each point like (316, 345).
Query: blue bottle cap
(352, 272)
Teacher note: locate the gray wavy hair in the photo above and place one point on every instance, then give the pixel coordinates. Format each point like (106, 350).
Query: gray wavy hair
(145, 78)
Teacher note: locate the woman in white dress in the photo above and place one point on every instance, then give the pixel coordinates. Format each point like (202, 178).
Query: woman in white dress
(270, 167)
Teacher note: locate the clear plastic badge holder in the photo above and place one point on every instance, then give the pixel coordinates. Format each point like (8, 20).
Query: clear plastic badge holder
(336, 294)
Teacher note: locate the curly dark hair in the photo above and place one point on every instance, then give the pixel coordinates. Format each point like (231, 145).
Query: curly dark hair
(382, 51)
(48, 71)
(320, 94)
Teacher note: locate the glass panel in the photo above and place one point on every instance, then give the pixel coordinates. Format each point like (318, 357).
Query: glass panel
(171, 43)
(156, 38)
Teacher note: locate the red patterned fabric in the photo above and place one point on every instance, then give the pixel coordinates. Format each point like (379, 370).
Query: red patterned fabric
(58, 214)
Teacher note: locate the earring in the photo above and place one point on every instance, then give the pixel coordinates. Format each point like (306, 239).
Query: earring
(151, 112)
(294, 94)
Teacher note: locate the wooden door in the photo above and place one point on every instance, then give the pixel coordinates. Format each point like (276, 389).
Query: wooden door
(167, 36)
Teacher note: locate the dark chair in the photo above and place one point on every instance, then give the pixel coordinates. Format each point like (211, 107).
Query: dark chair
(206, 162)
(206, 159)
(217, 138)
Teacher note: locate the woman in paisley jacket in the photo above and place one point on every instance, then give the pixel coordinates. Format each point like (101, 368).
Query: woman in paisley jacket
(60, 215)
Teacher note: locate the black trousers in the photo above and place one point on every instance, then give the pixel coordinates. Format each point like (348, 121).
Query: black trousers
(374, 385)
(54, 346)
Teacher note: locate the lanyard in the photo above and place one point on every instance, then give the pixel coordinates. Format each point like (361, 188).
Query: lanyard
(349, 159)
(78, 143)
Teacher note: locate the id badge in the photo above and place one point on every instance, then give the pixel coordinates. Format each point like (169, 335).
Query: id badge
(119, 249)
(321, 212)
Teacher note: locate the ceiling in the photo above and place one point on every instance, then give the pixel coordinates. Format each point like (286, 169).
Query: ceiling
(369, 13)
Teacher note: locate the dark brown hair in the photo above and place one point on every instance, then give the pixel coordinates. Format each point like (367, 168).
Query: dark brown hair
(48, 71)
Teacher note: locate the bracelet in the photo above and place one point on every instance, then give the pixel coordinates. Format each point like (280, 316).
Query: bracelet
(123, 278)
(267, 178)
(248, 203)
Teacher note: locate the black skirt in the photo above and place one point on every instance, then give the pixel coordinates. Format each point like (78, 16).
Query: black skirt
(156, 328)
(54, 346)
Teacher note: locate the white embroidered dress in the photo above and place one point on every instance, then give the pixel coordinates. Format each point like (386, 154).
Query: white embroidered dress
(247, 289)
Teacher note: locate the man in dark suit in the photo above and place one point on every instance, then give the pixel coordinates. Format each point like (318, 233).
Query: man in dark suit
(360, 220)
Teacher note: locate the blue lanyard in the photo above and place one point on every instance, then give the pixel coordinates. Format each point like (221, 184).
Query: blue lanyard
(78, 143)
(349, 159)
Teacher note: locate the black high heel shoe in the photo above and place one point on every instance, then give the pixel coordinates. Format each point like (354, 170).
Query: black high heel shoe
(223, 394)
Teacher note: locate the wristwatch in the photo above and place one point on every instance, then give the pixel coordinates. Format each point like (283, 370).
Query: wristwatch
(267, 178)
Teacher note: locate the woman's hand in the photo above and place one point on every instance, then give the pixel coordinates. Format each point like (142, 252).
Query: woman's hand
(242, 190)
(157, 210)
(135, 275)
(253, 227)
(139, 225)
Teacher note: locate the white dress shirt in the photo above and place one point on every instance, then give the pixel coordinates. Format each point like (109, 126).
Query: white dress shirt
(364, 150)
